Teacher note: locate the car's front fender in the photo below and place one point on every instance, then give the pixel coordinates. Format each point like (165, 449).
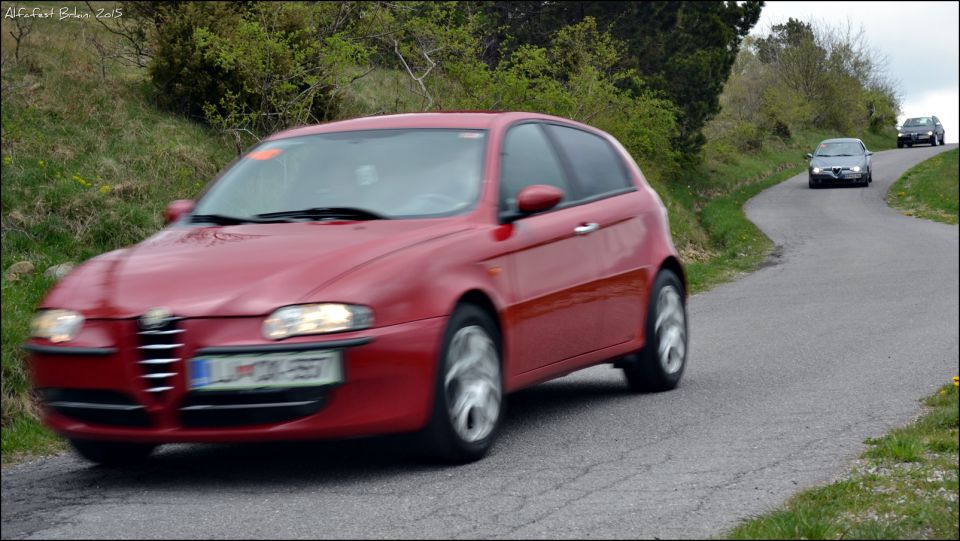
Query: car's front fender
(423, 281)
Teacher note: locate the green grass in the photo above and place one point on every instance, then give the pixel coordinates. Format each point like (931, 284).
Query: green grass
(903, 487)
(929, 190)
(88, 165)
(26, 438)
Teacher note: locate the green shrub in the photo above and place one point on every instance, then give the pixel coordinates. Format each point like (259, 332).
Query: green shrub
(256, 67)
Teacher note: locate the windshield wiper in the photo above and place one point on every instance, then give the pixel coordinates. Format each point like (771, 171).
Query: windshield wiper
(221, 219)
(317, 213)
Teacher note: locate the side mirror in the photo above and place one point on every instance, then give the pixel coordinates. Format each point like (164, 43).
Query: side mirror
(538, 198)
(177, 209)
(809, 155)
(869, 153)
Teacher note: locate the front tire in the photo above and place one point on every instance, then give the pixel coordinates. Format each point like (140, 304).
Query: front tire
(660, 364)
(468, 391)
(899, 144)
(112, 453)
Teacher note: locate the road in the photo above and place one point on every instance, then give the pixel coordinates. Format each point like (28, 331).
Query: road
(835, 340)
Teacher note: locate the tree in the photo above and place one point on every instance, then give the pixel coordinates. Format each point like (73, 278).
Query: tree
(684, 50)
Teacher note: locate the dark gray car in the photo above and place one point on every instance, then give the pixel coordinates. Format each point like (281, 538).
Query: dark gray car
(923, 129)
(840, 161)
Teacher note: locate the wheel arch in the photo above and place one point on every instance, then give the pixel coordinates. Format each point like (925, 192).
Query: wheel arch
(671, 263)
(480, 299)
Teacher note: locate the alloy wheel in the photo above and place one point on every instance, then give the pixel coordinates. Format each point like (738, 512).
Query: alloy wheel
(472, 383)
(670, 328)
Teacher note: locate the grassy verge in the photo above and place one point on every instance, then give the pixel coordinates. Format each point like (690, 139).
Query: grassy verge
(903, 487)
(25, 437)
(88, 165)
(929, 190)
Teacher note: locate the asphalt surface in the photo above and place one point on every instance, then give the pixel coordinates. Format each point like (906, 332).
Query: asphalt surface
(835, 340)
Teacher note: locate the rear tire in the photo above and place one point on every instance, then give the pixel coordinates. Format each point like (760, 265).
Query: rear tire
(468, 391)
(660, 364)
(112, 453)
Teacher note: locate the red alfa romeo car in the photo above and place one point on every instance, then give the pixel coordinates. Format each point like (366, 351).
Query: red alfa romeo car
(379, 275)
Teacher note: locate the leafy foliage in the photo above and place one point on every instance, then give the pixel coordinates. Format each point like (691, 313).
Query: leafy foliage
(259, 66)
(683, 49)
(800, 76)
(253, 67)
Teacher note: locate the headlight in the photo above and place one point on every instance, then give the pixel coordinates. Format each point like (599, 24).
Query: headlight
(56, 325)
(929, 133)
(816, 170)
(899, 134)
(316, 319)
(855, 168)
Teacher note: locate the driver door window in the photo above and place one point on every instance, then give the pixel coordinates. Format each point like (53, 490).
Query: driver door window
(528, 159)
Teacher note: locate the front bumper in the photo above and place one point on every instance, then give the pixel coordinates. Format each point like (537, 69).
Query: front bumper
(98, 392)
(912, 138)
(841, 178)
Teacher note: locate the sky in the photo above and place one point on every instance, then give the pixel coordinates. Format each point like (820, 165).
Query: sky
(920, 40)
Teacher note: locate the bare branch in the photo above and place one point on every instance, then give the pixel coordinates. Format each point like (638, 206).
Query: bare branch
(23, 26)
(418, 80)
(137, 44)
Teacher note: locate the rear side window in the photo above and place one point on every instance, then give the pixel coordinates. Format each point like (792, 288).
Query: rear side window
(596, 164)
(528, 160)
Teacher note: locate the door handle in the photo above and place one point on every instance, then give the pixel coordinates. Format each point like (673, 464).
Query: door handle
(586, 229)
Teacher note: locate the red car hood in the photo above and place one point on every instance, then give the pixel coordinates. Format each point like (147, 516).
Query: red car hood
(241, 270)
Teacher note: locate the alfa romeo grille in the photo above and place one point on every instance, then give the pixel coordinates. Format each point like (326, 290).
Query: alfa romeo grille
(159, 356)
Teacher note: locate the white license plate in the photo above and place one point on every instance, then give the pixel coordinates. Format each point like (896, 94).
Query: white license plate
(853, 175)
(256, 370)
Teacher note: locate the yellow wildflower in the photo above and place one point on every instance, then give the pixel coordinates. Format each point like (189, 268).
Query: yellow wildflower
(7, 160)
(104, 189)
(956, 381)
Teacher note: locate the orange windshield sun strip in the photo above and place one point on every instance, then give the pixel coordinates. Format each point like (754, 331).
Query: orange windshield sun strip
(265, 154)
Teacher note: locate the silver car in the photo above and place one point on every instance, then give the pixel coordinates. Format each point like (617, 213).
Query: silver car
(924, 129)
(840, 161)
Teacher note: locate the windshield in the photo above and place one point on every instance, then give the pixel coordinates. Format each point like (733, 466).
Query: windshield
(925, 121)
(845, 148)
(383, 173)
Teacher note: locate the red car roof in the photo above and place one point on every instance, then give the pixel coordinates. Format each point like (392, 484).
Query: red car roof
(478, 120)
